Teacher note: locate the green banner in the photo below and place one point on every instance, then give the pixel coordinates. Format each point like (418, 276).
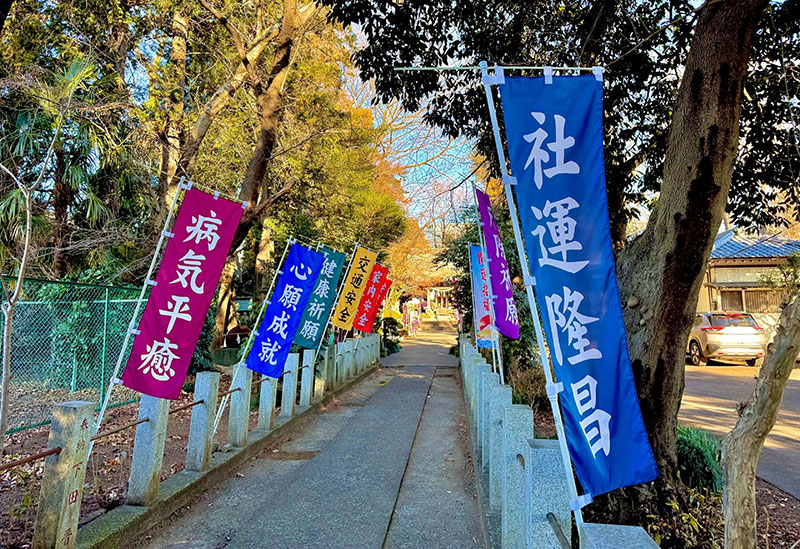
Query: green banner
(315, 317)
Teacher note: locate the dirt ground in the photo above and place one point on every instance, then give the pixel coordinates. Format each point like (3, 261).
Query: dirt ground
(107, 473)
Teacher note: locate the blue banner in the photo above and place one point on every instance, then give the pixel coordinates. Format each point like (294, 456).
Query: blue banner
(315, 318)
(284, 311)
(481, 316)
(555, 147)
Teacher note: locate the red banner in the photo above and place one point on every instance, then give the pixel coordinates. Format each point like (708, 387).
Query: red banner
(179, 301)
(368, 307)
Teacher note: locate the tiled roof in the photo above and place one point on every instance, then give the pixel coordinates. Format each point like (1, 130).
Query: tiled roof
(744, 246)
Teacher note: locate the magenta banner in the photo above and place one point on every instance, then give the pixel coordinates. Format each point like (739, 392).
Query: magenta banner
(178, 303)
(505, 309)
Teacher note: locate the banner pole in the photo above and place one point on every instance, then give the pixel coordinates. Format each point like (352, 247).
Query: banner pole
(552, 391)
(291, 240)
(496, 352)
(147, 282)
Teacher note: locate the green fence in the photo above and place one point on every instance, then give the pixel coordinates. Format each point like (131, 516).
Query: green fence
(64, 345)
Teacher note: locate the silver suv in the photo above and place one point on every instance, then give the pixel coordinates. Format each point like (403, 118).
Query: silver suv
(726, 336)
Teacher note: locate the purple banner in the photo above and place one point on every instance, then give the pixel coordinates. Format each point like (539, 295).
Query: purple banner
(505, 309)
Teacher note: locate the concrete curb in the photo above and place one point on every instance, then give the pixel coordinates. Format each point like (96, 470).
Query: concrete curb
(117, 527)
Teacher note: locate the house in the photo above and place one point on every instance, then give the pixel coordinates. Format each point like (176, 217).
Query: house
(738, 265)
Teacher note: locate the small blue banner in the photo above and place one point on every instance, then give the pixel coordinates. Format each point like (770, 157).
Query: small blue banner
(555, 144)
(284, 311)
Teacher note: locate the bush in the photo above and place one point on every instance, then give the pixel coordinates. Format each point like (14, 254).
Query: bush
(698, 459)
(527, 384)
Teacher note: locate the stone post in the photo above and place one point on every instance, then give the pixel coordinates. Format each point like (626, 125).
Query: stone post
(329, 354)
(148, 451)
(349, 361)
(266, 403)
(319, 380)
(307, 377)
(289, 390)
(517, 429)
(239, 414)
(339, 362)
(64, 473)
(546, 491)
(201, 427)
(490, 381)
(500, 398)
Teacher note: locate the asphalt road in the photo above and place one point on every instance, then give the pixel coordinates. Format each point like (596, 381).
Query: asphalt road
(710, 399)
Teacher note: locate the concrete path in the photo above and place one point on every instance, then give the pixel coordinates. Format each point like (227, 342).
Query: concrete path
(386, 465)
(710, 399)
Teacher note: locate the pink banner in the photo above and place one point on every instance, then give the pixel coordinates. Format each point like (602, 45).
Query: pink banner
(179, 301)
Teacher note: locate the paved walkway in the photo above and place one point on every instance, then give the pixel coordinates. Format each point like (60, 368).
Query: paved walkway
(710, 399)
(385, 465)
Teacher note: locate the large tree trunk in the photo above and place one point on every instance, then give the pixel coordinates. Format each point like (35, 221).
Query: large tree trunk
(62, 198)
(225, 301)
(265, 249)
(661, 272)
(741, 448)
(173, 126)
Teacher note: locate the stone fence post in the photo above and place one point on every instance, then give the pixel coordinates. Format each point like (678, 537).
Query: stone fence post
(289, 388)
(64, 473)
(307, 377)
(517, 429)
(201, 427)
(266, 403)
(239, 413)
(148, 451)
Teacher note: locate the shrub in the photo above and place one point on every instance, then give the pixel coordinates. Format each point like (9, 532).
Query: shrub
(698, 459)
(527, 384)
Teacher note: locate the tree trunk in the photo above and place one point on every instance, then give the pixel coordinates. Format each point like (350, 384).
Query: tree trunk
(741, 448)
(172, 133)
(663, 269)
(266, 247)
(225, 299)
(62, 198)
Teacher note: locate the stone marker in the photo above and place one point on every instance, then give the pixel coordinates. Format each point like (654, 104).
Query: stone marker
(148, 451)
(546, 491)
(490, 380)
(499, 399)
(517, 429)
(320, 376)
(266, 403)
(201, 427)
(239, 414)
(64, 473)
(307, 377)
(613, 536)
(329, 354)
(289, 389)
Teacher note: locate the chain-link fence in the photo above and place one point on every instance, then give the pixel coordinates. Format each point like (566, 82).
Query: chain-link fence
(64, 345)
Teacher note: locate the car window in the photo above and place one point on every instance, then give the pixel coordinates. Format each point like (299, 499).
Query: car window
(733, 320)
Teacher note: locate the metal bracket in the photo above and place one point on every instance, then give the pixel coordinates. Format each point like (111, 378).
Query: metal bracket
(509, 180)
(598, 73)
(580, 502)
(150, 282)
(167, 234)
(134, 331)
(255, 333)
(116, 381)
(548, 75)
(497, 78)
(554, 388)
(216, 195)
(185, 186)
(244, 204)
(529, 280)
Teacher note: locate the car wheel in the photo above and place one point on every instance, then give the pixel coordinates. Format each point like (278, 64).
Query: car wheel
(755, 362)
(696, 355)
